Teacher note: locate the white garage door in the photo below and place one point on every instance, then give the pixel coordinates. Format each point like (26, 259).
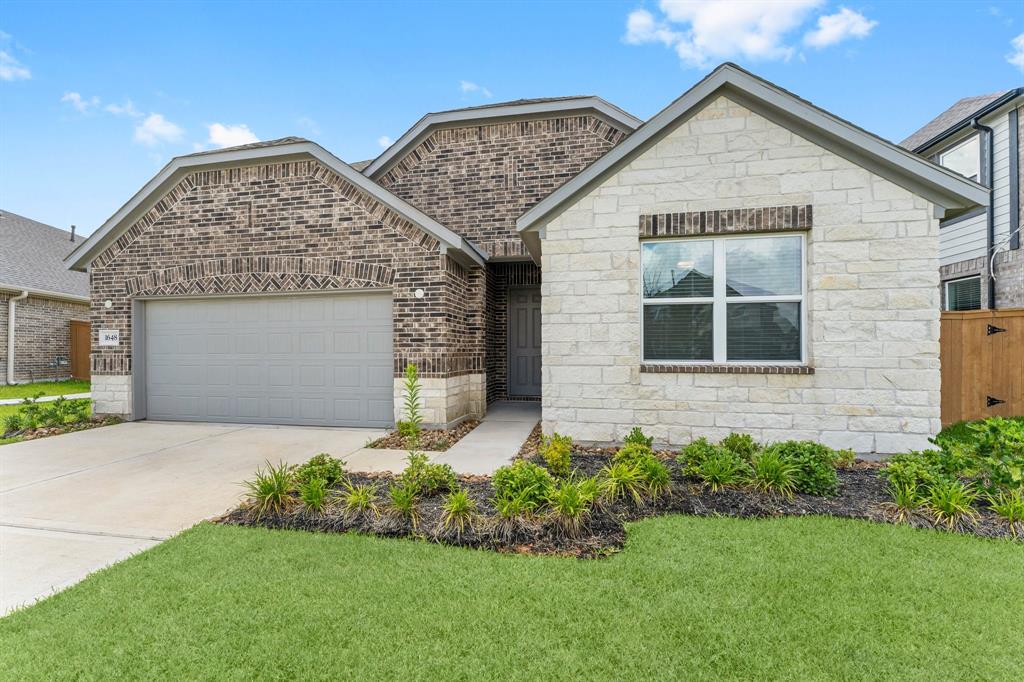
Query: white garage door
(319, 360)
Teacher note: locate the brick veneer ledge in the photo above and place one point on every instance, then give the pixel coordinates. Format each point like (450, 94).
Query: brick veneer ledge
(649, 368)
(727, 221)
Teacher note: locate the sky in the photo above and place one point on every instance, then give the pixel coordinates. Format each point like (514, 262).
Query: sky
(96, 97)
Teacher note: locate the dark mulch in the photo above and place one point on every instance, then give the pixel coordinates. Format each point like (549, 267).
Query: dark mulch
(433, 440)
(861, 495)
(47, 431)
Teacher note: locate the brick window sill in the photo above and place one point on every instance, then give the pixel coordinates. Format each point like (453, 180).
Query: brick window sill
(655, 368)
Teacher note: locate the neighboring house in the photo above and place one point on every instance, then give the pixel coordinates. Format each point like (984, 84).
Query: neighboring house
(741, 261)
(980, 138)
(41, 296)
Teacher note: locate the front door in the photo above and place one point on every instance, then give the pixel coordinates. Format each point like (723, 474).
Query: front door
(524, 342)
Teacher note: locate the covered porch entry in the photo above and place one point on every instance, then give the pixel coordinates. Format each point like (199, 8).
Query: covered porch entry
(513, 331)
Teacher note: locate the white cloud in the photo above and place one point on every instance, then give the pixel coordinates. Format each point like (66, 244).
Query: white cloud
(81, 104)
(156, 129)
(126, 109)
(11, 69)
(231, 135)
(385, 141)
(705, 31)
(1017, 56)
(835, 28)
(467, 87)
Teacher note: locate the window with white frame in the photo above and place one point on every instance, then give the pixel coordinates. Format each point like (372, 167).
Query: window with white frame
(964, 158)
(724, 299)
(964, 294)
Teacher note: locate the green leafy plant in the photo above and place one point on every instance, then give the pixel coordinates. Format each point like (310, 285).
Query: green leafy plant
(814, 472)
(33, 414)
(402, 504)
(773, 473)
(998, 450)
(459, 512)
(722, 468)
(1009, 505)
(911, 470)
(569, 506)
(359, 500)
(637, 437)
(524, 481)
(321, 466)
(631, 453)
(691, 456)
(656, 476)
(13, 423)
(556, 451)
(411, 428)
(425, 477)
(623, 481)
(268, 491)
(906, 500)
(843, 458)
(951, 502)
(741, 444)
(515, 514)
(314, 494)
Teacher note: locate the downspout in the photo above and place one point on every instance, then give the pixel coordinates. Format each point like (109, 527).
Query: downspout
(12, 304)
(990, 233)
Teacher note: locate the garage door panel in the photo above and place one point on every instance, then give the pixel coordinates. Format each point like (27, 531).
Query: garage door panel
(317, 360)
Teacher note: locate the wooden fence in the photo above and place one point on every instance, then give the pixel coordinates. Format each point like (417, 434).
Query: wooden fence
(982, 354)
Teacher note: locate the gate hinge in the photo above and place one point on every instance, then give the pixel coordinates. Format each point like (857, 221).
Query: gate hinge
(992, 329)
(990, 401)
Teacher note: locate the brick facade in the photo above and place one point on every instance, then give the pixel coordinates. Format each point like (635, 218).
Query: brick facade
(42, 341)
(500, 278)
(1009, 270)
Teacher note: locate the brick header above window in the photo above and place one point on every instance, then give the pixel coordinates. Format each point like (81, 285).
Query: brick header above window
(727, 221)
(654, 368)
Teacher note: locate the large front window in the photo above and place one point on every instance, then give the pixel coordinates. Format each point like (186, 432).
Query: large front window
(724, 299)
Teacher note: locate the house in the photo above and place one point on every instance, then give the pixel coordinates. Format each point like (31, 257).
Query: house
(502, 249)
(980, 138)
(39, 300)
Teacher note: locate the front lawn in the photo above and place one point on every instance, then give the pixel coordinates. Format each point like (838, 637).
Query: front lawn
(788, 598)
(45, 387)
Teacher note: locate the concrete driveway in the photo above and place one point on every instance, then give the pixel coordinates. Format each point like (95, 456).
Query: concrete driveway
(72, 504)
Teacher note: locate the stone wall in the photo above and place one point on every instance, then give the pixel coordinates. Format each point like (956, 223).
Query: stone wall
(42, 336)
(872, 305)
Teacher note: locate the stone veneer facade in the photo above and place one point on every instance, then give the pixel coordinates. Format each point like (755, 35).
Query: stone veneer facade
(872, 381)
(42, 336)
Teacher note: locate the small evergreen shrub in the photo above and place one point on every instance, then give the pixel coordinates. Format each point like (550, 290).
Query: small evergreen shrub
(951, 502)
(321, 466)
(402, 504)
(773, 473)
(741, 444)
(13, 423)
(425, 477)
(268, 490)
(459, 512)
(569, 506)
(637, 437)
(813, 470)
(556, 451)
(998, 453)
(623, 481)
(314, 494)
(722, 468)
(656, 476)
(524, 481)
(631, 453)
(691, 456)
(359, 500)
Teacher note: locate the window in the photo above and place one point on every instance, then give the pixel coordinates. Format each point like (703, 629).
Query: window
(724, 299)
(964, 158)
(964, 294)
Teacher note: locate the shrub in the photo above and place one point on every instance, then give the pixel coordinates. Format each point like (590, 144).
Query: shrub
(13, 423)
(655, 474)
(622, 481)
(569, 506)
(321, 466)
(998, 450)
(515, 512)
(772, 473)
(951, 502)
(691, 457)
(412, 426)
(556, 451)
(359, 500)
(402, 504)
(426, 477)
(813, 470)
(911, 470)
(459, 510)
(741, 444)
(522, 480)
(313, 494)
(269, 488)
(722, 468)
(632, 453)
(1009, 505)
(637, 437)
(843, 458)
(906, 500)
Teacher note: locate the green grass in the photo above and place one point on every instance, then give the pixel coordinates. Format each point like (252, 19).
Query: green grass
(44, 387)
(791, 598)
(960, 433)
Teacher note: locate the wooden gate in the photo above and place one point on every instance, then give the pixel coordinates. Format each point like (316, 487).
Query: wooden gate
(81, 341)
(982, 355)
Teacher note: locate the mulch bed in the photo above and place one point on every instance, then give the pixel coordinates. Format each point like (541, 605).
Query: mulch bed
(432, 440)
(47, 431)
(862, 495)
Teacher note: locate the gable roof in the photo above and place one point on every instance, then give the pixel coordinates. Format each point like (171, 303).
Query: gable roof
(956, 117)
(951, 192)
(180, 166)
(32, 258)
(494, 113)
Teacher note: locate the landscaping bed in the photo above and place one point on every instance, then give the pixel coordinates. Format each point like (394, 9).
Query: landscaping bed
(31, 419)
(431, 440)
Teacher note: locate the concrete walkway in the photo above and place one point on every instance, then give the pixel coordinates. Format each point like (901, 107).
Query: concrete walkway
(45, 398)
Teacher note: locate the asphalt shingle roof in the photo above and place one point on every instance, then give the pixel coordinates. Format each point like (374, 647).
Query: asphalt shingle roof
(32, 256)
(950, 117)
(252, 145)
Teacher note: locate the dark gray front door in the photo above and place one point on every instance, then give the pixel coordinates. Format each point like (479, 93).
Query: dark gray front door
(524, 342)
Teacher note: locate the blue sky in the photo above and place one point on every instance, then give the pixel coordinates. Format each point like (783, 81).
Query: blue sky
(95, 98)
